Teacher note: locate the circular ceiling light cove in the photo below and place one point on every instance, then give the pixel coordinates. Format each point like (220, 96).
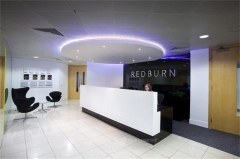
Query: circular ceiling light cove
(120, 38)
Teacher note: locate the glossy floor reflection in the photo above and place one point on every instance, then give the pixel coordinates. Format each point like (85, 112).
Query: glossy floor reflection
(67, 132)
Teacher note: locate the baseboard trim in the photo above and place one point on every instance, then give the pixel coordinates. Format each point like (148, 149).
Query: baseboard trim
(198, 123)
(143, 136)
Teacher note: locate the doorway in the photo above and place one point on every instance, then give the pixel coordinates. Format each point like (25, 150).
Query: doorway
(76, 76)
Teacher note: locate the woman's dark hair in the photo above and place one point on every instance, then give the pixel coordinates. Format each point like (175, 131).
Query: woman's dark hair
(149, 86)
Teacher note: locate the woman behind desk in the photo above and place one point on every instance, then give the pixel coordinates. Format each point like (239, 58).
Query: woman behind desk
(148, 87)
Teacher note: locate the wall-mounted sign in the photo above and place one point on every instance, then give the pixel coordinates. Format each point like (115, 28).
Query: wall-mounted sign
(154, 73)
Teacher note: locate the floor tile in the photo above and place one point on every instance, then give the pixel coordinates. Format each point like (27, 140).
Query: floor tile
(152, 155)
(179, 155)
(208, 155)
(192, 151)
(219, 153)
(100, 140)
(137, 149)
(179, 138)
(47, 156)
(12, 141)
(110, 147)
(197, 145)
(67, 128)
(60, 144)
(77, 139)
(164, 150)
(94, 153)
(172, 143)
(77, 157)
(72, 133)
(85, 146)
(124, 154)
(92, 134)
(39, 151)
(19, 155)
(55, 137)
(125, 141)
(36, 142)
(66, 152)
(12, 149)
(86, 129)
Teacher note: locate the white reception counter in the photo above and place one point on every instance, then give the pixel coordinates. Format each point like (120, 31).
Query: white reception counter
(130, 110)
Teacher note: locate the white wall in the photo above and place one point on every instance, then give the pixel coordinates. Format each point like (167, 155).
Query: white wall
(199, 87)
(58, 70)
(105, 75)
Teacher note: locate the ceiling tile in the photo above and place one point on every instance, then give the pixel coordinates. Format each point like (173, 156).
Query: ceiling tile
(72, 32)
(6, 22)
(216, 7)
(100, 31)
(164, 21)
(96, 19)
(62, 19)
(90, 6)
(132, 6)
(129, 32)
(154, 33)
(13, 6)
(175, 7)
(127, 20)
(48, 6)
(226, 23)
(197, 23)
(28, 19)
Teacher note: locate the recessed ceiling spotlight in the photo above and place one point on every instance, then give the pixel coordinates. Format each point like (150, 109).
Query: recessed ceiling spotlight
(149, 57)
(76, 56)
(203, 36)
(133, 60)
(163, 61)
(35, 57)
(77, 50)
(139, 49)
(69, 61)
(120, 62)
(103, 46)
(92, 60)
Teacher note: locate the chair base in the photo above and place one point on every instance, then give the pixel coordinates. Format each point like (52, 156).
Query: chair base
(54, 106)
(25, 118)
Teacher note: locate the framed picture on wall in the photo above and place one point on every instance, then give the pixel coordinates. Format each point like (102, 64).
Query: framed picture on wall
(35, 77)
(49, 77)
(42, 77)
(26, 77)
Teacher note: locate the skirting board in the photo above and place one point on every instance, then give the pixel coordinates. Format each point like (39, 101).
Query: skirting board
(198, 123)
(150, 139)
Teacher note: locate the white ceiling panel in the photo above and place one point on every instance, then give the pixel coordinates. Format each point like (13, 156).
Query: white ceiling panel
(154, 33)
(6, 22)
(72, 32)
(128, 32)
(62, 19)
(96, 19)
(90, 6)
(100, 31)
(126, 6)
(226, 23)
(197, 23)
(48, 6)
(13, 6)
(175, 7)
(216, 7)
(164, 21)
(127, 20)
(28, 19)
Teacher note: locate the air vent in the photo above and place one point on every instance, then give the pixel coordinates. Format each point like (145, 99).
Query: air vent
(47, 32)
(221, 48)
(179, 49)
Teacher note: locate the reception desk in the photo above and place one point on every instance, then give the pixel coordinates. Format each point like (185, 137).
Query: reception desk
(135, 112)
